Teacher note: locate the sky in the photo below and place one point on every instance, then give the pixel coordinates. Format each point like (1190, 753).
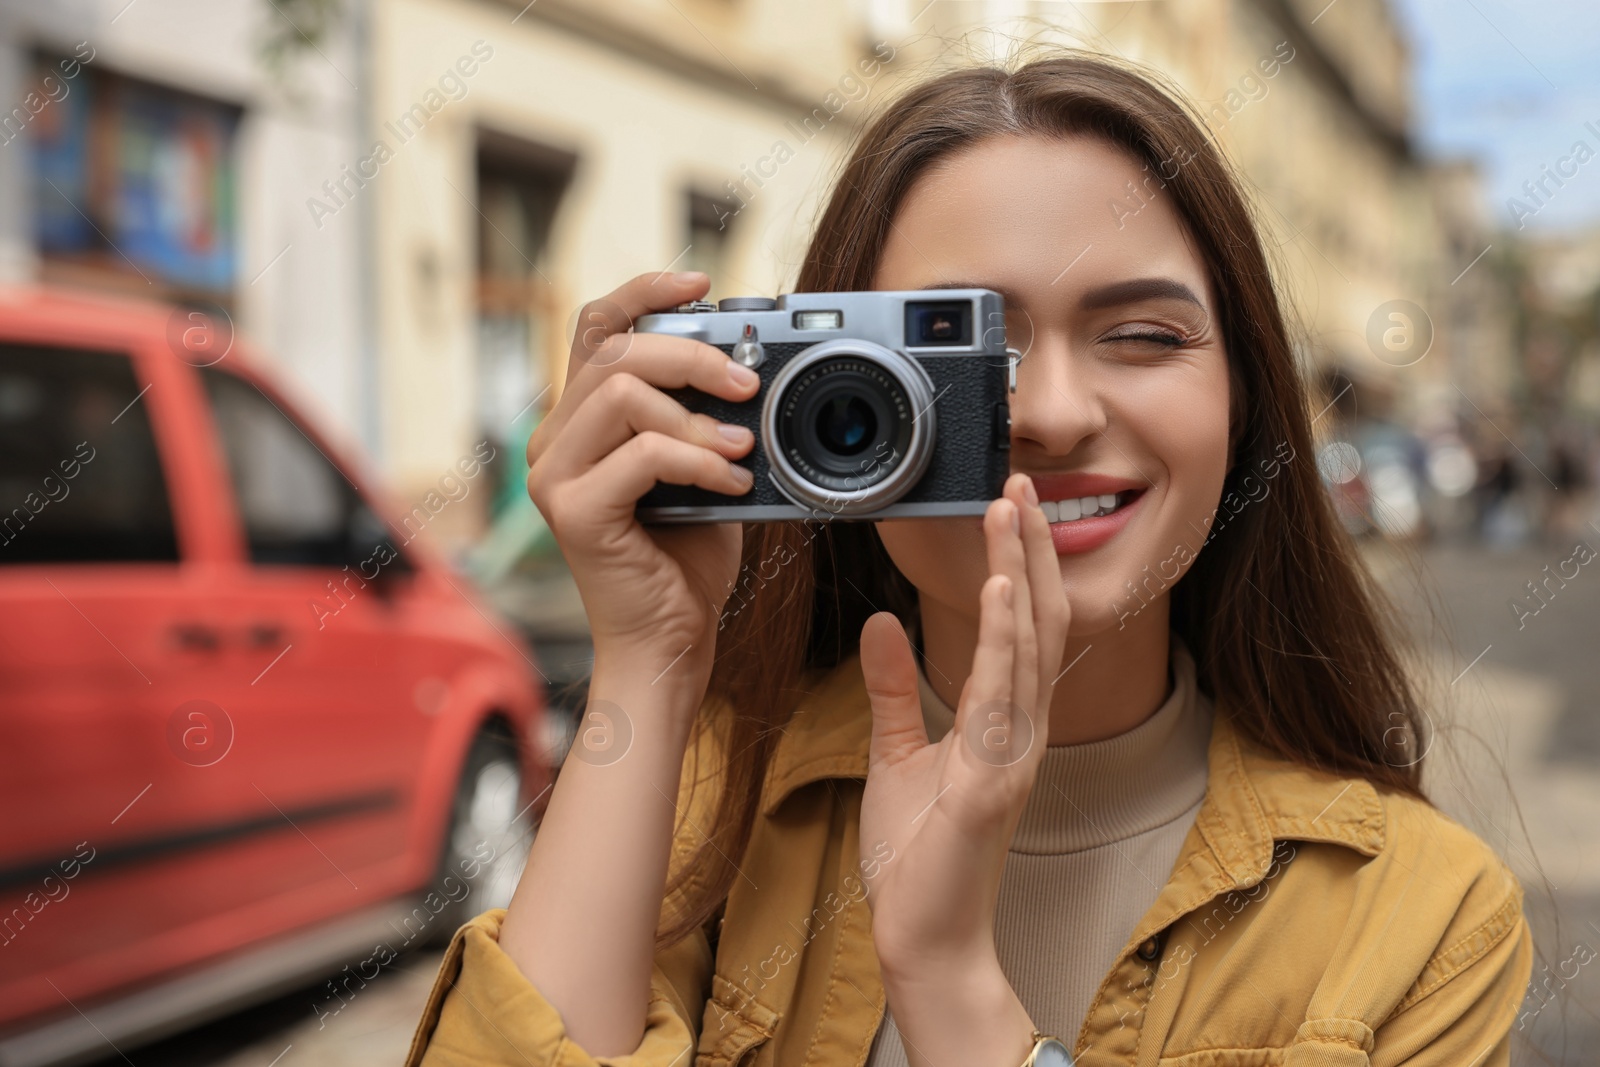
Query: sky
(1512, 83)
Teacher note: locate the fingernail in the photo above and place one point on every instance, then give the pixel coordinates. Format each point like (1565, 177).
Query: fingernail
(741, 375)
(1016, 521)
(742, 475)
(687, 277)
(1007, 593)
(1028, 492)
(729, 431)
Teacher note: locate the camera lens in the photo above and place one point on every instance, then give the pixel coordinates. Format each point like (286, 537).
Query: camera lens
(848, 426)
(845, 424)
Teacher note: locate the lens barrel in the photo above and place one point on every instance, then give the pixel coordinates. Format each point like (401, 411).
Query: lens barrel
(848, 426)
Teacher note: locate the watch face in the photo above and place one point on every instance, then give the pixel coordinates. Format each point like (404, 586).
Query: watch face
(1052, 1053)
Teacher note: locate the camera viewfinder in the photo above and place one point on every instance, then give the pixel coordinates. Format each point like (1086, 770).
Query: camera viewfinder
(931, 323)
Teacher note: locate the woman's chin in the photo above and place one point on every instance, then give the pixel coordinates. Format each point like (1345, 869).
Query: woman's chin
(1112, 597)
(1094, 617)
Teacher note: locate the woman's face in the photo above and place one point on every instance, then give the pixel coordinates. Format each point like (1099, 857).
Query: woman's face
(1122, 392)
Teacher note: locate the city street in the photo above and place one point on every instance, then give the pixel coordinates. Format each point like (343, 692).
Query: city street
(309, 315)
(1528, 703)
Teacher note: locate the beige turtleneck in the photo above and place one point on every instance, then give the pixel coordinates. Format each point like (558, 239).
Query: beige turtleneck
(1095, 844)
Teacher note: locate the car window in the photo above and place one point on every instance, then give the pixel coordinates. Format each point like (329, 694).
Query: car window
(80, 477)
(297, 508)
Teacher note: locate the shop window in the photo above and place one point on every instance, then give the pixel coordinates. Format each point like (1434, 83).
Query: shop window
(134, 185)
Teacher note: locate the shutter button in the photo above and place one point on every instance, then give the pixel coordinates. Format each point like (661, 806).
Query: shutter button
(1150, 949)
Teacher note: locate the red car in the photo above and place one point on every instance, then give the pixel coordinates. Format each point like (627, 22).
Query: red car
(253, 732)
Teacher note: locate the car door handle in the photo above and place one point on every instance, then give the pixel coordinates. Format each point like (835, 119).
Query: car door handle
(264, 635)
(195, 637)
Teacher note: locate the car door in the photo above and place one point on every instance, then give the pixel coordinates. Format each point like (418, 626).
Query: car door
(319, 602)
(124, 828)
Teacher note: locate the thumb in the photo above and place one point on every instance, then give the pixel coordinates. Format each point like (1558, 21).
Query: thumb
(891, 676)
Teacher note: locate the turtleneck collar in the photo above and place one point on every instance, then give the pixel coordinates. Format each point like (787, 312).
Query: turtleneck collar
(1096, 794)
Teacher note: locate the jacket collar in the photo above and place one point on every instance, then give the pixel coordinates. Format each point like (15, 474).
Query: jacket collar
(1253, 798)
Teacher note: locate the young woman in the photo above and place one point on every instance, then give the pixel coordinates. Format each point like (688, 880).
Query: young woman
(1144, 775)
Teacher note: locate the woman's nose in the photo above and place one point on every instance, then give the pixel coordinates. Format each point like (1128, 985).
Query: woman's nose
(1056, 406)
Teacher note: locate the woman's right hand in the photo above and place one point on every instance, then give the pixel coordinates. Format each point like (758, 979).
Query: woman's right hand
(652, 596)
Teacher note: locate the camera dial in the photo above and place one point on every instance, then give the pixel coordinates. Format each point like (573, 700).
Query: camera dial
(747, 303)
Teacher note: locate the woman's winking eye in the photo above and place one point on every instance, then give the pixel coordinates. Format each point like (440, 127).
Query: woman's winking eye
(1145, 333)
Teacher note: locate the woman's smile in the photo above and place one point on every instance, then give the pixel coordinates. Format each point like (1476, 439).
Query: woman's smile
(1073, 535)
(1086, 510)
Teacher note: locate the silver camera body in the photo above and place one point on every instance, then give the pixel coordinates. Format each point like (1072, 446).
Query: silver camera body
(872, 404)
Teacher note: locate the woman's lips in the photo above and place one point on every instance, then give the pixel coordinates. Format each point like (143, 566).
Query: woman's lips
(1086, 535)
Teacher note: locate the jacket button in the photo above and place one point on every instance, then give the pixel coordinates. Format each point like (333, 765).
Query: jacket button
(1150, 949)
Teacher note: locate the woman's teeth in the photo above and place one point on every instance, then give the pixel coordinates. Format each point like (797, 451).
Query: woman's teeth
(1086, 507)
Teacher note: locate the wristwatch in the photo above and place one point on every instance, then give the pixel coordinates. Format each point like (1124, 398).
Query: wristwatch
(1048, 1051)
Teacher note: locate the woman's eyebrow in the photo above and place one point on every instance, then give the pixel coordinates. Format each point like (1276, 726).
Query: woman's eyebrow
(1137, 289)
(1113, 295)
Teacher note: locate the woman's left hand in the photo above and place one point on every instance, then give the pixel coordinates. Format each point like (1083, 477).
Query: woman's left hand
(948, 810)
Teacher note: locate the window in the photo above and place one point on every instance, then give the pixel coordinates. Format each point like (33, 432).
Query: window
(296, 507)
(710, 222)
(134, 184)
(80, 477)
(520, 323)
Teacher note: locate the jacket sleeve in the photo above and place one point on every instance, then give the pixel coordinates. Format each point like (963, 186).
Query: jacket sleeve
(484, 1012)
(1463, 1012)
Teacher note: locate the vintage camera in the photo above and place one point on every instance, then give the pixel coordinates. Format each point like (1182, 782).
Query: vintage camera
(872, 405)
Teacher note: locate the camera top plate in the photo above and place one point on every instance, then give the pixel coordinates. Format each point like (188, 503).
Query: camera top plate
(880, 316)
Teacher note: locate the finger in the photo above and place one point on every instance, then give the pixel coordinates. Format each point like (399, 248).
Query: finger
(669, 362)
(626, 406)
(616, 312)
(663, 361)
(1006, 557)
(891, 677)
(1046, 593)
(616, 483)
(988, 694)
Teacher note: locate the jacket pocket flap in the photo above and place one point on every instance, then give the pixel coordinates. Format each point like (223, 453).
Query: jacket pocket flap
(734, 1023)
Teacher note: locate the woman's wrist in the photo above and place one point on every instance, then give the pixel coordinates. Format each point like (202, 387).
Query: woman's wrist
(958, 1012)
(649, 686)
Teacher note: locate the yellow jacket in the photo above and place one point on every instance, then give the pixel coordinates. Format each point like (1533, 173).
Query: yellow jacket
(1309, 920)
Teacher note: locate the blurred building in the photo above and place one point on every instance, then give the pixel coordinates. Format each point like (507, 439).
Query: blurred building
(406, 201)
(1475, 317)
(538, 155)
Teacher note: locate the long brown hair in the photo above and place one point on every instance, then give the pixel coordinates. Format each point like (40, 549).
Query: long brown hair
(1289, 634)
